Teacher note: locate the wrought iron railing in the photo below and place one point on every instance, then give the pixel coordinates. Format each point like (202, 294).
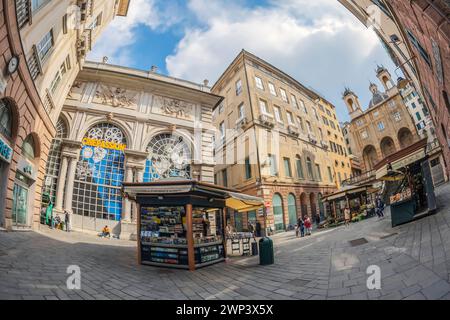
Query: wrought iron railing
(362, 178)
(34, 64)
(48, 102)
(23, 12)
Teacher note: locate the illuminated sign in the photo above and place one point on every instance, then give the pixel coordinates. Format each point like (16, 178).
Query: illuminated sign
(104, 144)
(5, 151)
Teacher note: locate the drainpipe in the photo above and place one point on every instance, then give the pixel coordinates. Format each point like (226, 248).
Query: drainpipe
(259, 179)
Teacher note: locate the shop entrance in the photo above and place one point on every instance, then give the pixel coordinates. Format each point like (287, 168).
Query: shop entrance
(278, 212)
(20, 205)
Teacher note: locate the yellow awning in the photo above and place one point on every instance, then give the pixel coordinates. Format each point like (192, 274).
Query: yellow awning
(243, 202)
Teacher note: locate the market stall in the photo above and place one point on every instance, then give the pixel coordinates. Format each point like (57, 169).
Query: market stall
(359, 199)
(182, 222)
(409, 187)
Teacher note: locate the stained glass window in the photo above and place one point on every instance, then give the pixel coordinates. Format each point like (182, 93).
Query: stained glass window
(169, 156)
(99, 176)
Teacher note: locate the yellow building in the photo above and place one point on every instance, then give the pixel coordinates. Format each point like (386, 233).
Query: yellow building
(278, 140)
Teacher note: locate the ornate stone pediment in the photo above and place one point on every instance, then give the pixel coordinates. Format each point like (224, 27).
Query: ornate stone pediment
(173, 108)
(115, 96)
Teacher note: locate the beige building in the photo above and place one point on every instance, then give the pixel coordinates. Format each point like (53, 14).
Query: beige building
(277, 140)
(56, 36)
(383, 128)
(416, 35)
(124, 125)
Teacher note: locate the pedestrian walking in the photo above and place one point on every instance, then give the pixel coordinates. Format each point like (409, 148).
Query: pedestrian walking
(347, 216)
(380, 207)
(67, 220)
(308, 226)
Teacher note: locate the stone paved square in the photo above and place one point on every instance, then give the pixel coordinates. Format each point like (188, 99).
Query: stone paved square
(414, 261)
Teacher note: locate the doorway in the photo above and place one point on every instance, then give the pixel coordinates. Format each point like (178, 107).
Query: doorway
(20, 205)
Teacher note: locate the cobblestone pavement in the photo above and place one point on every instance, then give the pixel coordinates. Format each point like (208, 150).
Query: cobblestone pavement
(414, 261)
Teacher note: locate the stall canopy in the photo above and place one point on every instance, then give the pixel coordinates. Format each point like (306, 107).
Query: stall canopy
(347, 190)
(243, 202)
(233, 199)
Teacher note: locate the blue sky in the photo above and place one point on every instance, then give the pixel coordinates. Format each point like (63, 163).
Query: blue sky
(317, 42)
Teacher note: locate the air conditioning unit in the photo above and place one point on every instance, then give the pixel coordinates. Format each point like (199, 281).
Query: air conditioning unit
(241, 122)
(266, 120)
(293, 130)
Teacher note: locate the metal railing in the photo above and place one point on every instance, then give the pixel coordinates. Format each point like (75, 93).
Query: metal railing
(49, 105)
(23, 12)
(34, 64)
(362, 178)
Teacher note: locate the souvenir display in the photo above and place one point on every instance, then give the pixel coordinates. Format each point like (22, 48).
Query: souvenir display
(163, 236)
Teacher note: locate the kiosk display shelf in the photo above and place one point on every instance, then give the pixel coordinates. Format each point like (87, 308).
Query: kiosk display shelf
(163, 237)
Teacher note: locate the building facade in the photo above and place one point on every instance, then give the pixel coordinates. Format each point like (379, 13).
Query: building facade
(25, 131)
(123, 125)
(416, 34)
(383, 128)
(56, 37)
(277, 140)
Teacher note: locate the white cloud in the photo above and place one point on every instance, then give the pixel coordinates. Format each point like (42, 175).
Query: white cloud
(317, 42)
(120, 35)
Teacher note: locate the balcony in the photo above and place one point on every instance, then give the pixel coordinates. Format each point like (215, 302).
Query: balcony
(324, 144)
(48, 102)
(293, 130)
(34, 64)
(23, 12)
(266, 120)
(363, 178)
(85, 9)
(84, 43)
(312, 138)
(241, 122)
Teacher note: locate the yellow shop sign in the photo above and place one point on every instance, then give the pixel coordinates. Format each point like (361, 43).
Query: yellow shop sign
(104, 144)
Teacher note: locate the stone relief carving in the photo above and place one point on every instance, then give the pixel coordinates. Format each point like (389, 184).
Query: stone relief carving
(76, 91)
(173, 108)
(115, 96)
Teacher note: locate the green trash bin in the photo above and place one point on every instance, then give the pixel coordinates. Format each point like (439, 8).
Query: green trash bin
(266, 255)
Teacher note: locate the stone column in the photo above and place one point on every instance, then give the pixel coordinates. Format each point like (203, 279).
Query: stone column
(139, 179)
(126, 212)
(70, 183)
(61, 184)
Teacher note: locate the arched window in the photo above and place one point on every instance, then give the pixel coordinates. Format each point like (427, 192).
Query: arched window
(169, 156)
(5, 118)
(310, 169)
(54, 161)
(28, 148)
(99, 174)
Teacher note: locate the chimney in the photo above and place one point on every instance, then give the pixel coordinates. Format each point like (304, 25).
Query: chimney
(205, 82)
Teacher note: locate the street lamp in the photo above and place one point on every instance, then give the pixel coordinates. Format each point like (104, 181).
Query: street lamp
(401, 82)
